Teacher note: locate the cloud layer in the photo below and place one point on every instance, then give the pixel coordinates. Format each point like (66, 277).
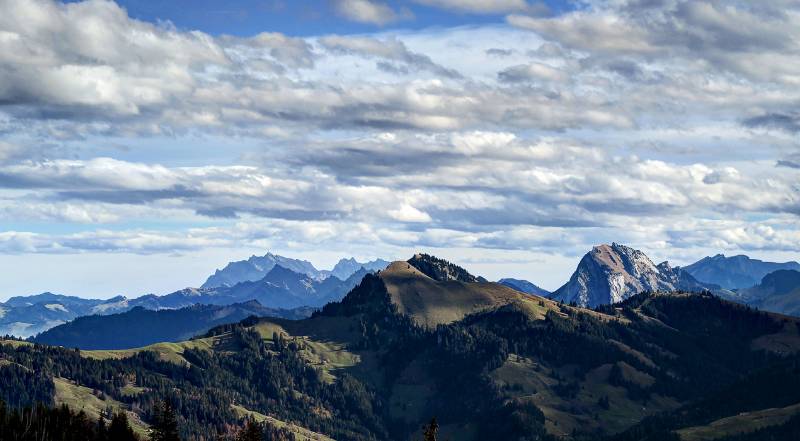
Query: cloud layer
(664, 124)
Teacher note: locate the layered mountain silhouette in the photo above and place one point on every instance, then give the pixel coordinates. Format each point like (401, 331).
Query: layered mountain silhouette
(612, 273)
(141, 327)
(257, 267)
(779, 291)
(426, 338)
(607, 274)
(26, 316)
(735, 272)
(347, 267)
(279, 288)
(275, 281)
(524, 286)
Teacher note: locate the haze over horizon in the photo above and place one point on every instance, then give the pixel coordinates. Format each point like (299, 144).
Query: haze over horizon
(145, 145)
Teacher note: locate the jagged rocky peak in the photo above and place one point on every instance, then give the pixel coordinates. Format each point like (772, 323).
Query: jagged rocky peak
(442, 270)
(612, 273)
(256, 267)
(347, 267)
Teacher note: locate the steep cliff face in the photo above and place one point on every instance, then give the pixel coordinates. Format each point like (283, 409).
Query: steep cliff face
(612, 273)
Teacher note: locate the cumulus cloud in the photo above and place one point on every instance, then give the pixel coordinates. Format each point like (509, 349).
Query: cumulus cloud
(532, 72)
(617, 121)
(369, 11)
(758, 41)
(473, 182)
(392, 50)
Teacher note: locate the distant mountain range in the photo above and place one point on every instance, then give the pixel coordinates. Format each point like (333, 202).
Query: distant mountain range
(279, 288)
(347, 267)
(735, 272)
(607, 274)
(26, 316)
(424, 338)
(140, 327)
(275, 281)
(524, 286)
(256, 268)
(779, 291)
(613, 273)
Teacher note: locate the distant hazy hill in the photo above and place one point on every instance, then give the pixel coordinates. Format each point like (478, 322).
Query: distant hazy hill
(257, 267)
(779, 291)
(140, 327)
(347, 267)
(28, 315)
(612, 273)
(279, 288)
(735, 272)
(524, 286)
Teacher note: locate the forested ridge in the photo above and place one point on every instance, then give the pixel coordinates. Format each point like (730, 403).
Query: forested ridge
(695, 348)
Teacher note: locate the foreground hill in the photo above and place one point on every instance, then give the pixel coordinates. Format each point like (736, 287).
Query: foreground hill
(345, 268)
(613, 273)
(430, 301)
(141, 327)
(735, 272)
(498, 364)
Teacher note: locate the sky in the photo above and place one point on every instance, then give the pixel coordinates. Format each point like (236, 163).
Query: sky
(144, 144)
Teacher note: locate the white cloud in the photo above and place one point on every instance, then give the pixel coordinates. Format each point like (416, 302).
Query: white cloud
(479, 6)
(392, 49)
(658, 126)
(369, 11)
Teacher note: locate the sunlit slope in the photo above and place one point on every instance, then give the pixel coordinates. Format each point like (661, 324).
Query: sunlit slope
(430, 302)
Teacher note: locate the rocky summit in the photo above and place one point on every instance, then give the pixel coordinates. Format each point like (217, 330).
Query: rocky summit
(612, 273)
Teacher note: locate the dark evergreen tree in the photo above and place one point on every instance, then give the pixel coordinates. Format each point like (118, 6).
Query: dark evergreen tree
(165, 424)
(101, 433)
(119, 429)
(250, 432)
(430, 430)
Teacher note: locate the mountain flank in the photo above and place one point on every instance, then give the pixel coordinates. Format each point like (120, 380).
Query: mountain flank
(779, 291)
(430, 301)
(735, 272)
(140, 327)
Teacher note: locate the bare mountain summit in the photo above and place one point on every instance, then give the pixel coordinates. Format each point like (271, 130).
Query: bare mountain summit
(612, 273)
